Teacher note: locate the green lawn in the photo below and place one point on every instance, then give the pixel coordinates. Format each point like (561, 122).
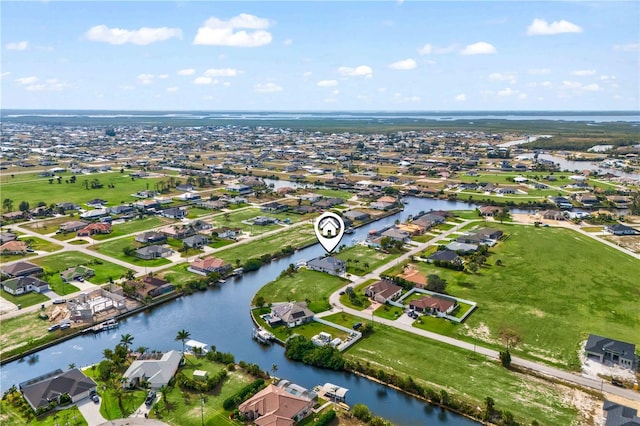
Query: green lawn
(37, 190)
(109, 405)
(11, 415)
(235, 219)
(58, 262)
(48, 226)
(183, 407)
(38, 244)
(178, 274)
(196, 212)
(313, 286)
(114, 248)
(295, 237)
(554, 287)
(308, 330)
(335, 193)
(388, 312)
(461, 373)
(361, 259)
(135, 225)
(25, 300)
(6, 258)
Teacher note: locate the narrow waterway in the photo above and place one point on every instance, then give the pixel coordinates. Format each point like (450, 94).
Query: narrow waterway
(220, 317)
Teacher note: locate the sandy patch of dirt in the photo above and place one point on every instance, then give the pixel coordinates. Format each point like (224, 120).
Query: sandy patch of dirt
(536, 312)
(589, 407)
(630, 242)
(6, 306)
(481, 332)
(594, 369)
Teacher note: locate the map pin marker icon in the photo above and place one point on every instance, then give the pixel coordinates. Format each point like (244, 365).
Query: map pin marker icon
(329, 228)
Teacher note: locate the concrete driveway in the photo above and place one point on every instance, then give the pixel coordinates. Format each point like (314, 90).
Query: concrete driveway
(91, 412)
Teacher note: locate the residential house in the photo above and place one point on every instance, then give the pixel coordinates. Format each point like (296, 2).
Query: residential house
(226, 233)
(195, 241)
(274, 406)
(94, 214)
(327, 203)
(489, 211)
(121, 209)
(445, 256)
(201, 226)
(151, 237)
(506, 190)
(383, 291)
(14, 247)
(356, 215)
(462, 248)
(290, 314)
(76, 272)
(21, 269)
(414, 276)
(155, 372)
(605, 350)
(151, 286)
(397, 235)
(23, 285)
(551, 215)
(174, 213)
(620, 229)
(240, 189)
(206, 265)
(41, 391)
(5, 237)
(263, 220)
(412, 229)
(13, 215)
(328, 264)
(73, 225)
(619, 415)
(96, 203)
(153, 252)
(434, 305)
(178, 231)
(274, 207)
(94, 228)
(434, 218)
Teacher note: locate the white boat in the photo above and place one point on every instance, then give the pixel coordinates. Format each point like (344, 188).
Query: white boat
(262, 335)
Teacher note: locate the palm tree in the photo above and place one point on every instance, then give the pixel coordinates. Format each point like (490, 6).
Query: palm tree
(126, 340)
(183, 336)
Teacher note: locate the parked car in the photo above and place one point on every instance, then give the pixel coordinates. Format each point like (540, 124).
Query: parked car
(357, 325)
(94, 396)
(59, 301)
(151, 397)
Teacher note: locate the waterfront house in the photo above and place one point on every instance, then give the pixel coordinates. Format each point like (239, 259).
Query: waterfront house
(43, 390)
(154, 371)
(290, 314)
(275, 406)
(356, 215)
(329, 264)
(204, 266)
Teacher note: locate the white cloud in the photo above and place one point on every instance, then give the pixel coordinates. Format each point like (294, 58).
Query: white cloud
(582, 73)
(522, 96)
(593, 87)
(327, 83)
(425, 50)
(479, 48)
(21, 45)
(216, 32)
(127, 87)
(539, 71)
(461, 97)
(542, 27)
(186, 71)
(607, 77)
(203, 80)
(335, 92)
(630, 47)
(506, 92)
(34, 84)
(222, 72)
(578, 87)
(547, 84)
(506, 76)
(5, 74)
(307, 74)
(172, 89)
(163, 76)
(145, 78)
(267, 88)
(446, 49)
(362, 70)
(143, 36)
(27, 80)
(288, 42)
(407, 64)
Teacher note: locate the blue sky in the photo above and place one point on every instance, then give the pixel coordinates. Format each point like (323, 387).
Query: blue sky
(317, 56)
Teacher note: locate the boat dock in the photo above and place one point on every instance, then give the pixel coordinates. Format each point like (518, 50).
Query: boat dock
(107, 325)
(262, 335)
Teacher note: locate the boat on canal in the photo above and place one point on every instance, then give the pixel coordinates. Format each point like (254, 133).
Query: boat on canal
(263, 336)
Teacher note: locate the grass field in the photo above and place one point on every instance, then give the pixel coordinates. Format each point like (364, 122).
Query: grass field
(294, 237)
(361, 259)
(135, 225)
(359, 291)
(235, 219)
(71, 416)
(178, 274)
(308, 330)
(24, 300)
(461, 373)
(554, 287)
(115, 249)
(109, 406)
(48, 226)
(58, 262)
(313, 286)
(27, 331)
(36, 190)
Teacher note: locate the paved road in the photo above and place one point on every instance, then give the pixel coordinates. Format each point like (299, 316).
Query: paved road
(538, 368)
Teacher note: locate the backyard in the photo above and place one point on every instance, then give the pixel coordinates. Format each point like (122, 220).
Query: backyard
(361, 259)
(115, 249)
(312, 286)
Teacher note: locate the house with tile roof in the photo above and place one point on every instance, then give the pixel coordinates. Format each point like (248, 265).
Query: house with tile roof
(275, 406)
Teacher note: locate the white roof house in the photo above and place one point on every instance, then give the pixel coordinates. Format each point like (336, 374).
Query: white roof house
(157, 372)
(191, 344)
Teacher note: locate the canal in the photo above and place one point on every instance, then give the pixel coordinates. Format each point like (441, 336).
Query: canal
(220, 317)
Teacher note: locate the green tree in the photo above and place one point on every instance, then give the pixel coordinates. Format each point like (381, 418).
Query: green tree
(24, 206)
(435, 283)
(7, 204)
(505, 358)
(361, 412)
(183, 336)
(126, 340)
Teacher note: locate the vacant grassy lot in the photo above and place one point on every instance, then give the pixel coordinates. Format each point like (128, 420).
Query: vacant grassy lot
(235, 219)
(554, 287)
(361, 259)
(295, 237)
(115, 249)
(359, 292)
(461, 373)
(12, 416)
(58, 262)
(313, 286)
(48, 226)
(178, 274)
(183, 407)
(135, 225)
(27, 331)
(34, 191)
(25, 300)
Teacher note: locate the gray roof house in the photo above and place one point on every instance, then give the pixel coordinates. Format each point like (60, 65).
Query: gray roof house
(290, 313)
(195, 241)
(445, 256)
(38, 393)
(153, 252)
(23, 285)
(620, 229)
(610, 350)
(21, 269)
(330, 265)
(619, 415)
(356, 215)
(156, 372)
